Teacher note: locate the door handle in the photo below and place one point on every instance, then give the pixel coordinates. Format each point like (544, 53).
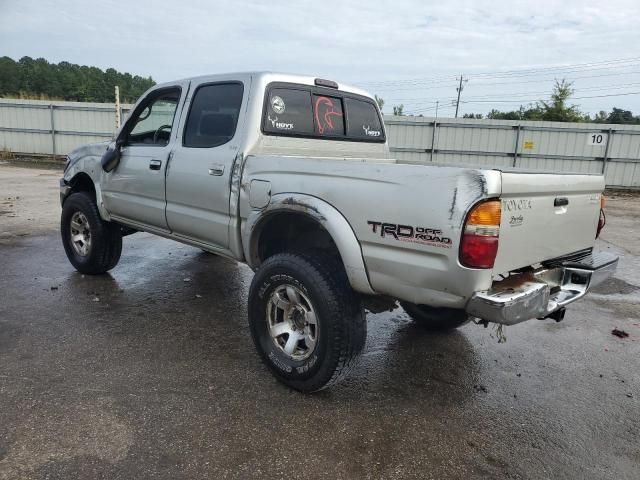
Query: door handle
(216, 170)
(155, 164)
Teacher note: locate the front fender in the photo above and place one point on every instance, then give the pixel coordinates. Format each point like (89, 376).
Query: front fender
(327, 216)
(86, 160)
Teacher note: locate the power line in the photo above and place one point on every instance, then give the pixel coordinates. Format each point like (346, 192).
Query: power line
(567, 68)
(429, 100)
(538, 100)
(414, 110)
(422, 100)
(518, 82)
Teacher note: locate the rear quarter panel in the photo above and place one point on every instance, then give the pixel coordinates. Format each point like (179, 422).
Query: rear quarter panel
(430, 202)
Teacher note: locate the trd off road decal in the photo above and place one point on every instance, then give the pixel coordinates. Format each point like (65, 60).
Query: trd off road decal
(407, 233)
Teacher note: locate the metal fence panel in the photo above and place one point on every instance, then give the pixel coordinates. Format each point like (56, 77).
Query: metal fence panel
(623, 173)
(550, 146)
(54, 127)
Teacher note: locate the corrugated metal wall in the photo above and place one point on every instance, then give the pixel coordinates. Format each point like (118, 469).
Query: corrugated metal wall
(554, 146)
(46, 127)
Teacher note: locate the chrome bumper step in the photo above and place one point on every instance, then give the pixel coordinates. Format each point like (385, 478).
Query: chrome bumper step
(539, 293)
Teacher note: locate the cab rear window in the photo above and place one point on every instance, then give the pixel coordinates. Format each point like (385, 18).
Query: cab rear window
(310, 112)
(363, 121)
(289, 112)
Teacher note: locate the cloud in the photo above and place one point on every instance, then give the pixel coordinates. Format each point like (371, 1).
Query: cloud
(347, 40)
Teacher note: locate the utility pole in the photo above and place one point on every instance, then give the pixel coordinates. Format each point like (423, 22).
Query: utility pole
(459, 90)
(117, 98)
(437, 103)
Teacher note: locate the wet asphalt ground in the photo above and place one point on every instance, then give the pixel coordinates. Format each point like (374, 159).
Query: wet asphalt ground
(150, 372)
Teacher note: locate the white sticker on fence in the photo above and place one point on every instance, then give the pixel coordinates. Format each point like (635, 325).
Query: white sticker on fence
(597, 139)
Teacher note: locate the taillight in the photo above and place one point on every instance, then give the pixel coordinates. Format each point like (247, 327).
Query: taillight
(479, 244)
(602, 219)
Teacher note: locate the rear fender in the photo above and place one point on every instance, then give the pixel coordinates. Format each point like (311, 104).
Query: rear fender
(323, 213)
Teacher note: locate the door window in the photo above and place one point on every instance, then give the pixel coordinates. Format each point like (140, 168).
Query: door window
(152, 124)
(213, 115)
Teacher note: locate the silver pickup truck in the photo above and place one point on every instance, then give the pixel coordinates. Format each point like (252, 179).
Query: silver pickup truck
(292, 175)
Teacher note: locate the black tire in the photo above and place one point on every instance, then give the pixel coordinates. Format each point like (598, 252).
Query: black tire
(106, 238)
(437, 319)
(338, 310)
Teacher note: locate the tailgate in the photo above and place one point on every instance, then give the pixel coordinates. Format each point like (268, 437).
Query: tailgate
(546, 215)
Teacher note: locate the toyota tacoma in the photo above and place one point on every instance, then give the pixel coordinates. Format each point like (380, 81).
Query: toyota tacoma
(292, 175)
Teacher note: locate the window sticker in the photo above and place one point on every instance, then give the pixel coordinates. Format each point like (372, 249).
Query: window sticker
(280, 125)
(277, 104)
(370, 132)
(328, 115)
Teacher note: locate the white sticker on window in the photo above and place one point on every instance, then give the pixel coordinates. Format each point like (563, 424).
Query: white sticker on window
(277, 104)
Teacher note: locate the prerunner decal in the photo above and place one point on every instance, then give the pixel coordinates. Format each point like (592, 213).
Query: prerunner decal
(408, 233)
(324, 112)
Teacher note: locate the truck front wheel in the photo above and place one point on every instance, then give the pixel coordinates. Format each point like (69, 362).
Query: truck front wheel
(92, 245)
(306, 322)
(436, 318)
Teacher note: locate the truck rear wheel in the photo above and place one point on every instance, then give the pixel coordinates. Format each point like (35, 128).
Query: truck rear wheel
(436, 318)
(306, 322)
(92, 245)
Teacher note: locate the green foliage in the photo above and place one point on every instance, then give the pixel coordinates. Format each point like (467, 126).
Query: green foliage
(617, 115)
(554, 110)
(398, 110)
(29, 78)
(379, 101)
(557, 110)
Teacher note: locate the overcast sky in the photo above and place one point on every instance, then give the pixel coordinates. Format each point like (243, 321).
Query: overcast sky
(410, 41)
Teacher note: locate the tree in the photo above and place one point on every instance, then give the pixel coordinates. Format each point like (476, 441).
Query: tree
(379, 101)
(29, 78)
(600, 117)
(618, 115)
(557, 110)
(398, 110)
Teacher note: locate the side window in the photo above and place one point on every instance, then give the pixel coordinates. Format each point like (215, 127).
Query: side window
(213, 115)
(288, 111)
(152, 125)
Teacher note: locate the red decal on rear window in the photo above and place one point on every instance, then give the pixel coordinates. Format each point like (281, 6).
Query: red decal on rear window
(325, 110)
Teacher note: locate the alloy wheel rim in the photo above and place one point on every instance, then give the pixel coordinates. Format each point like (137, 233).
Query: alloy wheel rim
(292, 322)
(80, 234)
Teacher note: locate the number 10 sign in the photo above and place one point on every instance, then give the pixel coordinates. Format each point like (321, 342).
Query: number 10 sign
(597, 139)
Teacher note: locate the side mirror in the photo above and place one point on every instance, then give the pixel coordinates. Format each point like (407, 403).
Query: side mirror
(111, 157)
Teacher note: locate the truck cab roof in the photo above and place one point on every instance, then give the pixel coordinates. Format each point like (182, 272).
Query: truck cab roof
(265, 77)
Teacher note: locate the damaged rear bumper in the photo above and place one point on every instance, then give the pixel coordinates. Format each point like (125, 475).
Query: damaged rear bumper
(540, 293)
